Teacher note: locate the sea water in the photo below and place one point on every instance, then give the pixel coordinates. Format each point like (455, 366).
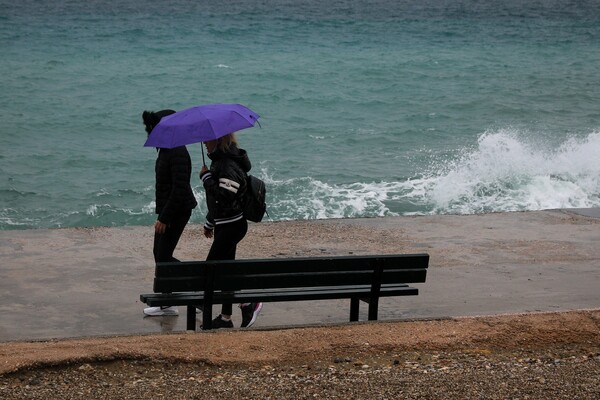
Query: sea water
(368, 108)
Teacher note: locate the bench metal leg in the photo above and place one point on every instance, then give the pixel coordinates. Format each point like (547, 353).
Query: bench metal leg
(354, 303)
(207, 316)
(191, 318)
(373, 306)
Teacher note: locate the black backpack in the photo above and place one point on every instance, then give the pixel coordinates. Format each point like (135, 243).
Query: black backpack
(254, 205)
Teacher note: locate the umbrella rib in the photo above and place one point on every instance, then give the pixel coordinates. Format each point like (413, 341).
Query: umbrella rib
(210, 122)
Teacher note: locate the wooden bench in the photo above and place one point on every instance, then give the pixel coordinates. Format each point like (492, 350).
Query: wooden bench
(201, 284)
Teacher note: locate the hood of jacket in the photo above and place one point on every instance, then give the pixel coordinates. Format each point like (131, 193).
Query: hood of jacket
(240, 156)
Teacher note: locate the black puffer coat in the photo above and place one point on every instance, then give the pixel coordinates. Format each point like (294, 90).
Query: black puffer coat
(173, 191)
(225, 184)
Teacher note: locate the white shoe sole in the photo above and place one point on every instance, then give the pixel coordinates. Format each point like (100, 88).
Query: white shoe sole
(254, 315)
(161, 313)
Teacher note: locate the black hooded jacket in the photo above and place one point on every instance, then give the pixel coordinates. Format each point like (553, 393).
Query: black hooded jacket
(173, 171)
(225, 185)
(173, 191)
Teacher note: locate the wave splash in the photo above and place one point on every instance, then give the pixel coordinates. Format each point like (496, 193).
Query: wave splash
(507, 172)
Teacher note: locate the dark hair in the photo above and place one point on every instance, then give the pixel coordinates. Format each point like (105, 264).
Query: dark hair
(151, 118)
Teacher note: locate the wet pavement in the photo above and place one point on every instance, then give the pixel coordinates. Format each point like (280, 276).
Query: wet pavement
(59, 283)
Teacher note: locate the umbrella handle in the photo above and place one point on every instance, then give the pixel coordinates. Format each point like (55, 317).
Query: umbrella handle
(203, 162)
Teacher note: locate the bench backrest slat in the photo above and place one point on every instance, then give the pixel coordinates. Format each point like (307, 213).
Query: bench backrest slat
(289, 273)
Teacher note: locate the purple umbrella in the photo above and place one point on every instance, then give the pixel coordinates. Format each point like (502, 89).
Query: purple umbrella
(200, 124)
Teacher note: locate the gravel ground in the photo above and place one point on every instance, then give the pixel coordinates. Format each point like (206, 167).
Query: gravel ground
(525, 356)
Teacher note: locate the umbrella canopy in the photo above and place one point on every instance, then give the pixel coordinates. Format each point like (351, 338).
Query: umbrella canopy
(200, 124)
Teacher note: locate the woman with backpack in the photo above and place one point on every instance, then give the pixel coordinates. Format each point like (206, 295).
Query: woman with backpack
(225, 186)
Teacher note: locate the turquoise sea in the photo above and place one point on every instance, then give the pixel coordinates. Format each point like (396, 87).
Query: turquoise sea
(368, 108)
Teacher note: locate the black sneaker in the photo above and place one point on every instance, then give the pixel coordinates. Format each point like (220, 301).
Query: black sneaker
(221, 323)
(250, 313)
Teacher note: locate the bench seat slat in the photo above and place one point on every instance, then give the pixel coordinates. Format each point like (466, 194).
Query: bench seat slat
(302, 264)
(250, 296)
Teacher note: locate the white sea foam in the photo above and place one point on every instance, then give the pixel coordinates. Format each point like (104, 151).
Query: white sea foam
(92, 210)
(8, 221)
(149, 208)
(308, 198)
(506, 172)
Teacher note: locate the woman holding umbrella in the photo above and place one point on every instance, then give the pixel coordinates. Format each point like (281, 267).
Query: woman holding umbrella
(174, 200)
(225, 184)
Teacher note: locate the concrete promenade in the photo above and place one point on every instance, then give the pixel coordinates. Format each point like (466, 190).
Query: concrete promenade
(59, 283)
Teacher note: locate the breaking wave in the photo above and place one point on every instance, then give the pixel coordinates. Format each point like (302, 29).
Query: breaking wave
(504, 171)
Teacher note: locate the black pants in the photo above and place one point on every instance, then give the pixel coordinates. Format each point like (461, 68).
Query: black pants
(164, 244)
(225, 241)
